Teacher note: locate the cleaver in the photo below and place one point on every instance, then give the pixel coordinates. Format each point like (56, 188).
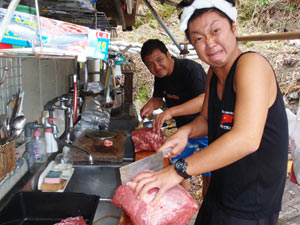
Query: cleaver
(153, 162)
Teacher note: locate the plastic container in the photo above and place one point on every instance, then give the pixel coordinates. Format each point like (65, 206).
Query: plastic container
(38, 147)
(48, 139)
(48, 208)
(26, 9)
(64, 162)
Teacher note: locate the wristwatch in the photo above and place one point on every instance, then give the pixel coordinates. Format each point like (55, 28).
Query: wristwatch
(180, 168)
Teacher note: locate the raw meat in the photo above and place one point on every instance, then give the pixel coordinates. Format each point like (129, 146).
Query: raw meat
(145, 139)
(176, 207)
(72, 221)
(108, 143)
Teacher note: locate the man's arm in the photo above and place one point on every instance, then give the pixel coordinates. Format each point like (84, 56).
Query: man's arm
(188, 108)
(152, 104)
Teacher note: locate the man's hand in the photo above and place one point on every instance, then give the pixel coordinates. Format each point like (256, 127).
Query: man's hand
(152, 104)
(146, 111)
(160, 119)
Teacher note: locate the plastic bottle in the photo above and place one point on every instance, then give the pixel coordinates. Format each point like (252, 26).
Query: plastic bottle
(48, 139)
(64, 162)
(54, 146)
(38, 147)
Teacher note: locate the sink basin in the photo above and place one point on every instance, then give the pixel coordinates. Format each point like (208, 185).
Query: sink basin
(99, 179)
(102, 180)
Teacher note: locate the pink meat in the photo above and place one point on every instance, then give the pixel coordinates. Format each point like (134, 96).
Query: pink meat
(176, 207)
(145, 139)
(72, 221)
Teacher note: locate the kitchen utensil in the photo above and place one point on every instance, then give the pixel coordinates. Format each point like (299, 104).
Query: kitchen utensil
(15, 134)
(19, 122)
(141, 124)
(153, 162)
(15, 108)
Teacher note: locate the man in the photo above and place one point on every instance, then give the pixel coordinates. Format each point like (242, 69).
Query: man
(181, 82)
(245, 119)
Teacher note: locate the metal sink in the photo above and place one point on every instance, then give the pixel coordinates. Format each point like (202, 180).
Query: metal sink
(99, 179)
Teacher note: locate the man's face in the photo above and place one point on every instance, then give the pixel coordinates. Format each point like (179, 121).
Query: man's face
(159, 64)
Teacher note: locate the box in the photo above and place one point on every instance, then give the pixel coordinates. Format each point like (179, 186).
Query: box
(48, 208)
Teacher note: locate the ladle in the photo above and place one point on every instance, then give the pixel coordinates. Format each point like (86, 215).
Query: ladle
(18, 123)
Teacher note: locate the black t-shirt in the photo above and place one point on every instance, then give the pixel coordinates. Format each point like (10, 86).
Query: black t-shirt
(252, 187)
(187, 81)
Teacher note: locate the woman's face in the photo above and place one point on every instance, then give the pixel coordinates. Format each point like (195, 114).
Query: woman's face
(213, 38)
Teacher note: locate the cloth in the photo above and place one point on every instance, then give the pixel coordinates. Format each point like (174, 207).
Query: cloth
(187, 81)
(211, 214)
(192, 146)
(252, 187)
(222, 5)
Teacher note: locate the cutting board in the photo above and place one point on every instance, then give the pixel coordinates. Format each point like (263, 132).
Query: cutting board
(95, 146)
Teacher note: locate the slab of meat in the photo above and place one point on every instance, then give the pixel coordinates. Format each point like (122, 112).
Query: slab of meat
(176, 207)
(72, 221)
(145, 139)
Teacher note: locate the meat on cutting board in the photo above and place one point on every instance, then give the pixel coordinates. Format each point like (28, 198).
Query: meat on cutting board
(145, 139)
(176, 207)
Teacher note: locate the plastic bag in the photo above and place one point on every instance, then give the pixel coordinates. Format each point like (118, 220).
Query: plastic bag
(294, 139)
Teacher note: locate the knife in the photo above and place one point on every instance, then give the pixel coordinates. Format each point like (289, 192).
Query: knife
(153, 162)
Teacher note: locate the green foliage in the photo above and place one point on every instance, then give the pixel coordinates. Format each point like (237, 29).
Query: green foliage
(163, 10)
(142, 92)
(261, 3)
(145, 20)
(167, 11)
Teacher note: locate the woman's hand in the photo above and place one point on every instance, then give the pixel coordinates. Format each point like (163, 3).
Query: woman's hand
(163, 180)
(176, 142)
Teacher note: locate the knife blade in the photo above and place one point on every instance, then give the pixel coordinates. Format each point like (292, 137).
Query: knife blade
(153, 162)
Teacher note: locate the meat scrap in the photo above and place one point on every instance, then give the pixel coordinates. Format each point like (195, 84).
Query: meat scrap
(176, 207)
(107, 143)
(72, 221)
(145, 139)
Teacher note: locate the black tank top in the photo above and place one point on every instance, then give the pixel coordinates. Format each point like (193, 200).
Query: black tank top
(252, 187)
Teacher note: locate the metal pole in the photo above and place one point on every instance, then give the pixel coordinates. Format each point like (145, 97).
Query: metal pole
(182, 51)
(9, 13)
(39, 23)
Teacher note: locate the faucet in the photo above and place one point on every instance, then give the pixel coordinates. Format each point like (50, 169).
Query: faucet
(50, 106)
(64, 143)
(89, 155)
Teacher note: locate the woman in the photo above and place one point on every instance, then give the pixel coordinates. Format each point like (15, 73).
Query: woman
(245, 120)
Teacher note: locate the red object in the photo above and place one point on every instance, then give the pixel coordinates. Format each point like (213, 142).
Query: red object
(226, 118)
(72, 221)
(5, 46)
(108, 143)
(75, 102)
(145, 139)
(176, 206)
(293, 177)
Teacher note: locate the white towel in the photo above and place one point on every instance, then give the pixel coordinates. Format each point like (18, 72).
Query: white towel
(222, 5)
